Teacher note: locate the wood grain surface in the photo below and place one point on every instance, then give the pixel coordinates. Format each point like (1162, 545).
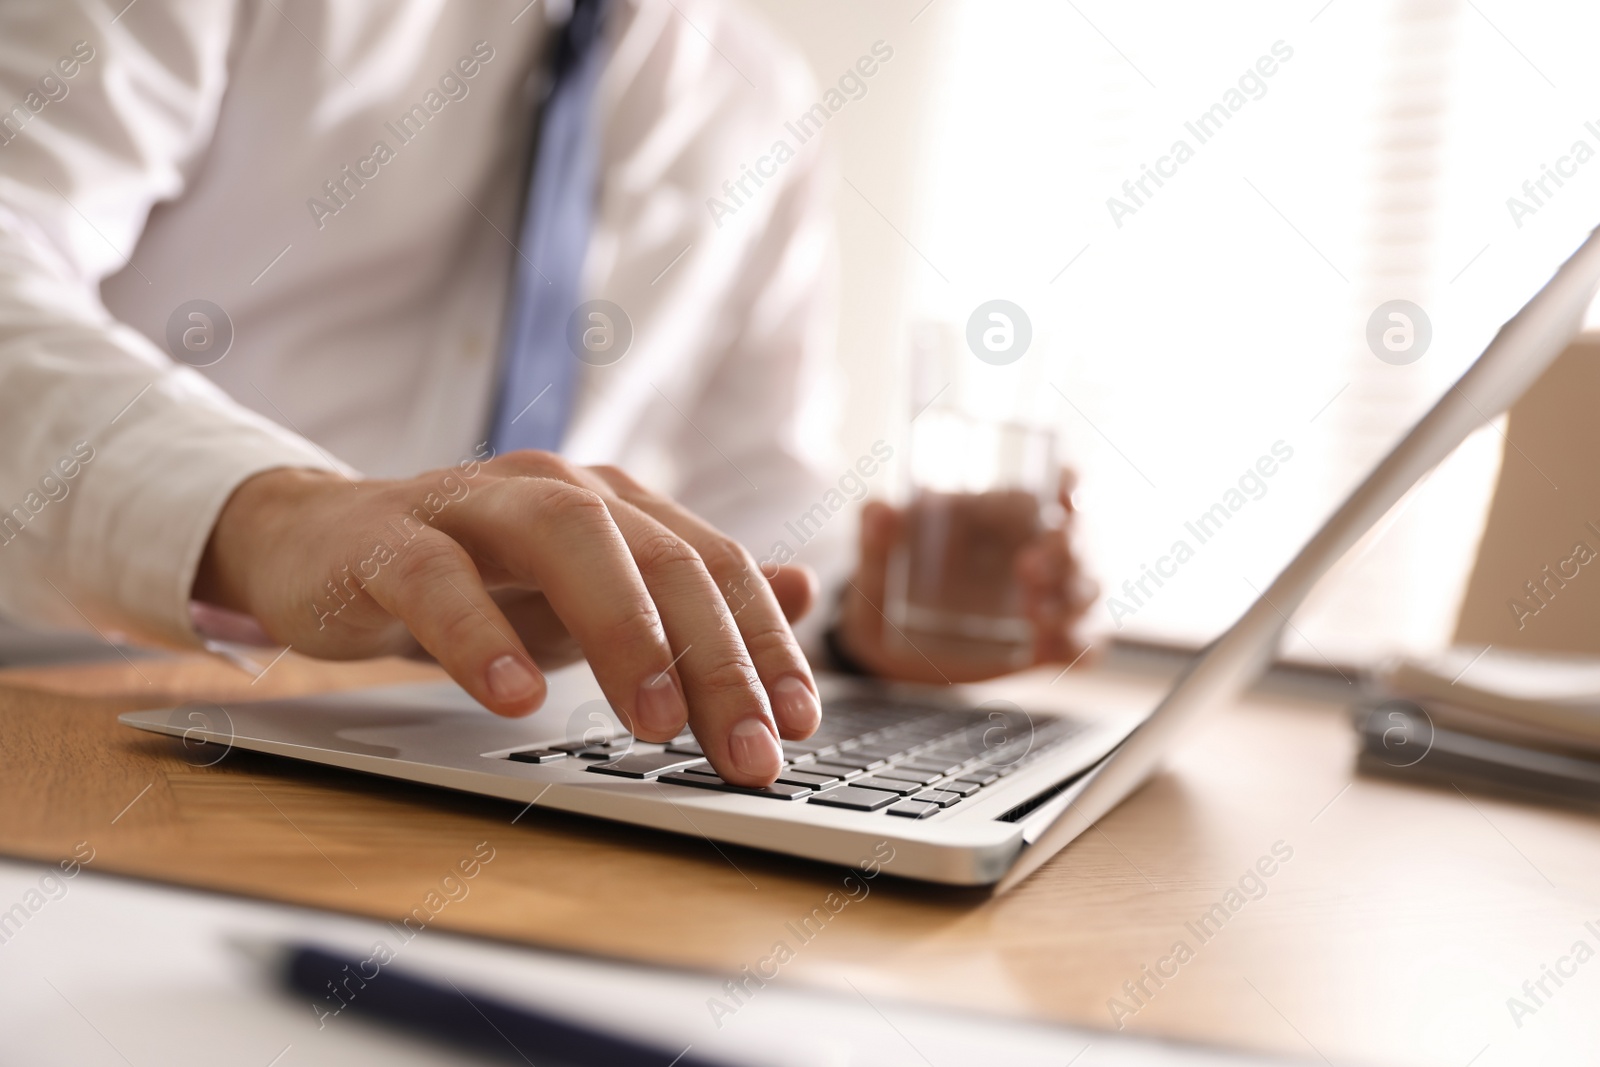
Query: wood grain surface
(1395, 932)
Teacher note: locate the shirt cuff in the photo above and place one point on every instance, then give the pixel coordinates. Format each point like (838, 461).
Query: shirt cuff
(151, 495)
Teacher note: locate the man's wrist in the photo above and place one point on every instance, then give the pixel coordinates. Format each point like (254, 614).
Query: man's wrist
(248, 520)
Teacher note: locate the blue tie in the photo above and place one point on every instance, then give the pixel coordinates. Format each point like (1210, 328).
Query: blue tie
(538, 372)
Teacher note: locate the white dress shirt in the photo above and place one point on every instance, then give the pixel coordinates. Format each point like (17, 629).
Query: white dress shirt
(228, 152)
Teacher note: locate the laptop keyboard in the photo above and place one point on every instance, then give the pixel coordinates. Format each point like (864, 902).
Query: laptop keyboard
(900, 758)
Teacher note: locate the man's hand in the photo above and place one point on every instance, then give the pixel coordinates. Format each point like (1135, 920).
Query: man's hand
(520, 563)
(1057, 595)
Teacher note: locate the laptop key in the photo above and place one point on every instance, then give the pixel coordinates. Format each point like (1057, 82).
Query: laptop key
(941, 797)
(948, 757)
(795, 751)
(645, 764)
(909, 774)
(851, 759)
(686, 747)
(914, 809)
(808, 778)
(570, 747)
(980, 777)
(847, 796)
(595, 749)
(777, 791)
(537, 755)
(888, 785)
(940, 767)
(878, 751)
(838, 770)
(960, 788)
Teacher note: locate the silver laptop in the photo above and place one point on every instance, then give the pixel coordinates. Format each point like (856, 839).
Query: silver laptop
(964, 792)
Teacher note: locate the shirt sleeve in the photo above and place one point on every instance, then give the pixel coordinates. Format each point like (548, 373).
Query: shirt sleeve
(783, 501)
(114, 458)
(774, 369)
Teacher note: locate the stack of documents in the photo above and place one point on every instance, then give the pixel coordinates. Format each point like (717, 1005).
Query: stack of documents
(1518, 721)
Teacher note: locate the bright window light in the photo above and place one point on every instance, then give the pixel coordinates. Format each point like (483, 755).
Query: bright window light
(1201, 210)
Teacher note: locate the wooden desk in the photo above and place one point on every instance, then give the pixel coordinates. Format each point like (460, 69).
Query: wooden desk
(1396, 933)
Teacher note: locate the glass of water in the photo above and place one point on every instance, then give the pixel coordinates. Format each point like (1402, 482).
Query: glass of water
(977, 490)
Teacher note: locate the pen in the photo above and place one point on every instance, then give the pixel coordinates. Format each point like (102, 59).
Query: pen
(465, 1019)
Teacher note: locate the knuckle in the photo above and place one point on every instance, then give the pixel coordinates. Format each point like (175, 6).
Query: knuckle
(620, 478)
(726, 557)
(767, 641)
(562, 502)
(536, 462)
(459, 626)
(630, 628)
(660, 552)
(426, 558)
(730, 675)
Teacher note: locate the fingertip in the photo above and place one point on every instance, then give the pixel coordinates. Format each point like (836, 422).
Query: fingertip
(754, 751)
(796, 707)
(796, 587)
(660, 710)
(806, 576)
(514, 686)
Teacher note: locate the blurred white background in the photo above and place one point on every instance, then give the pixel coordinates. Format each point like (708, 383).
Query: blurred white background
(1229, 312)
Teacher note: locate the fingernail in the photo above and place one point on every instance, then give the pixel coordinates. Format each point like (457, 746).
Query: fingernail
(660, 708)
(753, 749)
(795, 705)
(512, 681)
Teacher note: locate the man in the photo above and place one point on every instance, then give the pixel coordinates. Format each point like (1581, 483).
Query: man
(326, 209)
